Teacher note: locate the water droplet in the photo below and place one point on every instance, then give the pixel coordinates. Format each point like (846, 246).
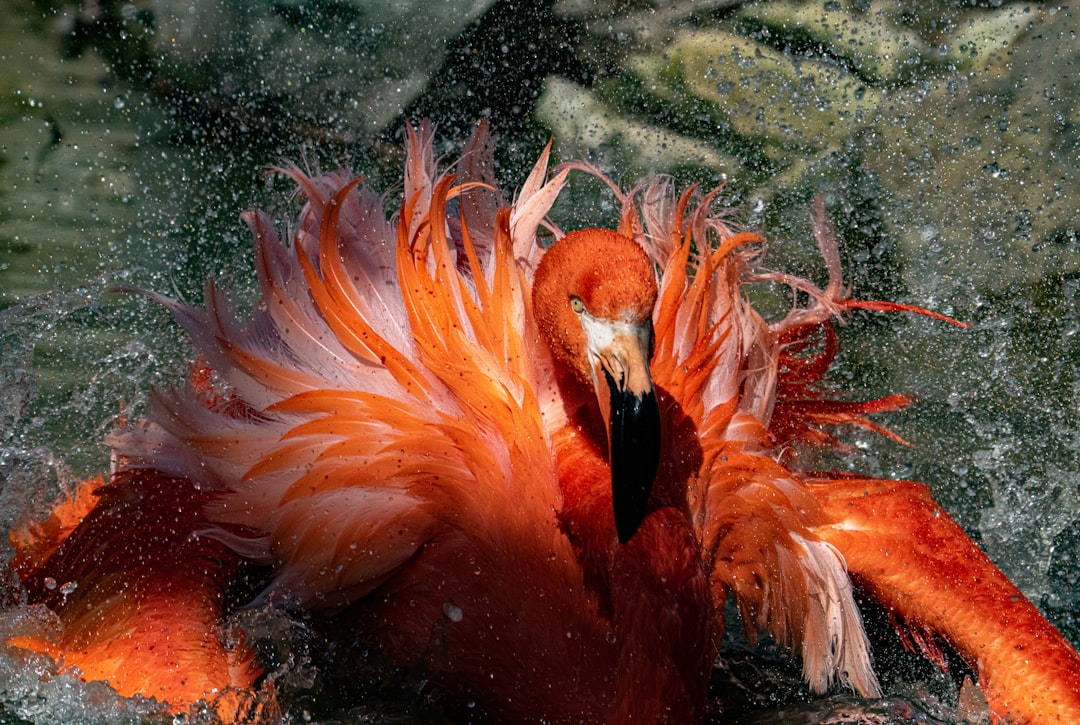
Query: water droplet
(50, 583)
(453, 612)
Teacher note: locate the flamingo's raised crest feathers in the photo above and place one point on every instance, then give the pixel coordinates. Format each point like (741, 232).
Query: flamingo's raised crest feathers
(426, 453)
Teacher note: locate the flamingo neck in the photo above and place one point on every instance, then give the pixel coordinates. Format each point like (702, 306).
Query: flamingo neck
(662, 610)
(654, 585)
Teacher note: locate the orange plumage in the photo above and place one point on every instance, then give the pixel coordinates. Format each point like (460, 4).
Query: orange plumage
(536, 474)
(140, 598)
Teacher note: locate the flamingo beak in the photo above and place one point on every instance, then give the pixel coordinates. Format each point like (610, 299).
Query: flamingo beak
(620, 354)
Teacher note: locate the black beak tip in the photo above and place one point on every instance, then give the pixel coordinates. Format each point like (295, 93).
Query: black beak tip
(635, 458)
(627, 523)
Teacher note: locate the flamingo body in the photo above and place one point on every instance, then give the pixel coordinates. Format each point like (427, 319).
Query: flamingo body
(535, 473)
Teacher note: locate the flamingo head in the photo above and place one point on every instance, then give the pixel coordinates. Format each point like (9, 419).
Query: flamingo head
(593, 296)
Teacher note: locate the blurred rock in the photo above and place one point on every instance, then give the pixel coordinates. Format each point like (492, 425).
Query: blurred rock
(963, 120)
(334, 70)
(585, 125)
(764, 93)
(871, 39)
(987, 160)
(349, 64)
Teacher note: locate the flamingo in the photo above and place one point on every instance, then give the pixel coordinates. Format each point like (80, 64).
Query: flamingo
(535, 473)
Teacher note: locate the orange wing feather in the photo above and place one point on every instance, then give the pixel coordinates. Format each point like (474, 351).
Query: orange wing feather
(919, 563)
(141, 612)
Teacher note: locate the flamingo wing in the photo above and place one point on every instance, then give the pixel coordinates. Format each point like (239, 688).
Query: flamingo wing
(913, 558)
(379, 425)
(142, 612)
(413, 493)
(396, 390)
(782, 541)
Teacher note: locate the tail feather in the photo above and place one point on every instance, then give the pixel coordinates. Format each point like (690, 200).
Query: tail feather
(35, 542)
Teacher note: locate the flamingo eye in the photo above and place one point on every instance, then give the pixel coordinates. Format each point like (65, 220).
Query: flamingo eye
(576, 304)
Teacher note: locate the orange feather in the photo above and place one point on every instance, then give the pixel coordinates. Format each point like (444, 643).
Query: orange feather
(917, 561)
(142, 612)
